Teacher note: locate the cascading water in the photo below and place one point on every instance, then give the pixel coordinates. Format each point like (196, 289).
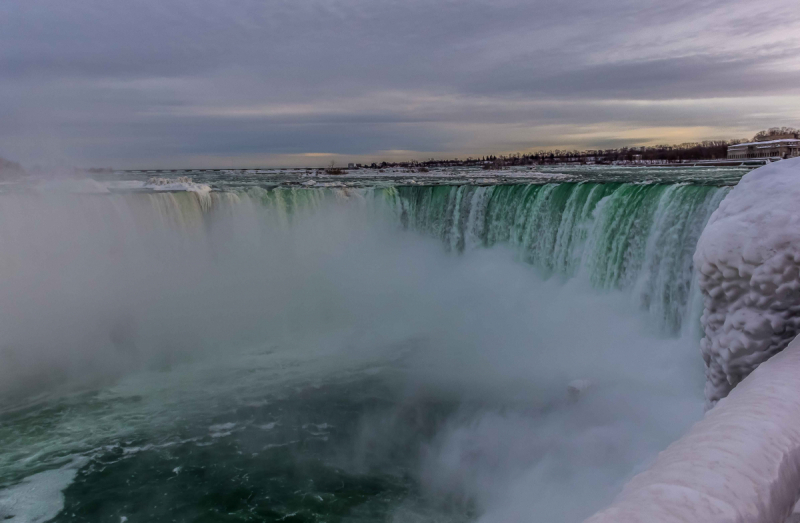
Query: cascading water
(619, 236)
(634, 237)
(313, 354)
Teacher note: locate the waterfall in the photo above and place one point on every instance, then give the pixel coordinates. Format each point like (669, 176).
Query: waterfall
(275, 312)
(633, 237)
(618, 236)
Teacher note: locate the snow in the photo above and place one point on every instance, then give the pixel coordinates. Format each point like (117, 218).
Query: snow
(748, 258)
(741, 463)
(770, 142)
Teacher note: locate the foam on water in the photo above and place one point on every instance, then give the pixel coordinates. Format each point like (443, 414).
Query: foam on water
(38, 498)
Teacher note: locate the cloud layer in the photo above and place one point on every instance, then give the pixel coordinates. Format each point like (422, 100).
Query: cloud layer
(207, 83)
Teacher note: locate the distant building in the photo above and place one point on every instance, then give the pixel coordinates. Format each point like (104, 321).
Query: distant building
(780, 146)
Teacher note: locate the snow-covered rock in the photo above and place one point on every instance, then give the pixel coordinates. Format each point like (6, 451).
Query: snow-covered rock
(748, 258)
(741, 463)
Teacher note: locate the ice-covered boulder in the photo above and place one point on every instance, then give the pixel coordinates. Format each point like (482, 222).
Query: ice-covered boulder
(748, 258)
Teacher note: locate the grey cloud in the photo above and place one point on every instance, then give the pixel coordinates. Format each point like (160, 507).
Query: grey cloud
(689, 77)
(147, 79)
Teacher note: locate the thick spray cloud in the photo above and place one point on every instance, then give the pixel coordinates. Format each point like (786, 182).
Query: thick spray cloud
(243, 299)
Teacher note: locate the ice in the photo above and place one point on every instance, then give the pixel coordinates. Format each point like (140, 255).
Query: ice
(748, 258)
(741, 463)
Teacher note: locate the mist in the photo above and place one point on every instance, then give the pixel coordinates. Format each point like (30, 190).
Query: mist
(120, 290)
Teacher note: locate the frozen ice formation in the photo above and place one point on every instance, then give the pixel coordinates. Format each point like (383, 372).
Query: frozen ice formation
(748, 258)
(740, 463)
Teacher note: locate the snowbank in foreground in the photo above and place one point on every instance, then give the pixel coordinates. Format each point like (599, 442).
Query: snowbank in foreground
(748, 258)
(741, 463)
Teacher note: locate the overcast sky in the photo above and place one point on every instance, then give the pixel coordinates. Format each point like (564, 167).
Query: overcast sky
(176, 83)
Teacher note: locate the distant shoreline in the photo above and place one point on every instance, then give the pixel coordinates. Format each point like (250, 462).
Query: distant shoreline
(753, 162)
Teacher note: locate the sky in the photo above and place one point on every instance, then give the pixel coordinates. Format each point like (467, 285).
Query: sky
(248, 83)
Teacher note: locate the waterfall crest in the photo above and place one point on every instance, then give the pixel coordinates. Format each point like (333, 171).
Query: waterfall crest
(634, 237)
(619, 236)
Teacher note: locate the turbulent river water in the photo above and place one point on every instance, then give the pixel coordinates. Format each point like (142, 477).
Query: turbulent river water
(449, 347)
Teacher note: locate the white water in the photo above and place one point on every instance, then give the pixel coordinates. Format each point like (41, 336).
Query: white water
(38, 498)
(97, 288)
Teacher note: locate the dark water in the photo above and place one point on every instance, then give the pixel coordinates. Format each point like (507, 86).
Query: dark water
(291, 458)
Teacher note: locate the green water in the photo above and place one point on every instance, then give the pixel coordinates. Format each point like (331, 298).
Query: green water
(619, 236)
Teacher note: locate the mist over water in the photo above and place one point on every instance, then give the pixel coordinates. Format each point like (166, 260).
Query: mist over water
(346, 367)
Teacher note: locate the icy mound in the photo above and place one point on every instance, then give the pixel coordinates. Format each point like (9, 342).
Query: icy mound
(182, 183)
(741, 463)
(749, 262)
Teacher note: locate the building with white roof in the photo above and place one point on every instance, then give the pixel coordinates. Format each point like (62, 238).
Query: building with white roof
(782, 146)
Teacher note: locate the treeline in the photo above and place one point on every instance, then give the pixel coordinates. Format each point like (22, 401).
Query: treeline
(706, 150)
(685, 152)
(775, 132)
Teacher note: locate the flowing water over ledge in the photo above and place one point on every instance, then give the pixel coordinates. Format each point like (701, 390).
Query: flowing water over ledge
(619, 236)
(313, 354)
